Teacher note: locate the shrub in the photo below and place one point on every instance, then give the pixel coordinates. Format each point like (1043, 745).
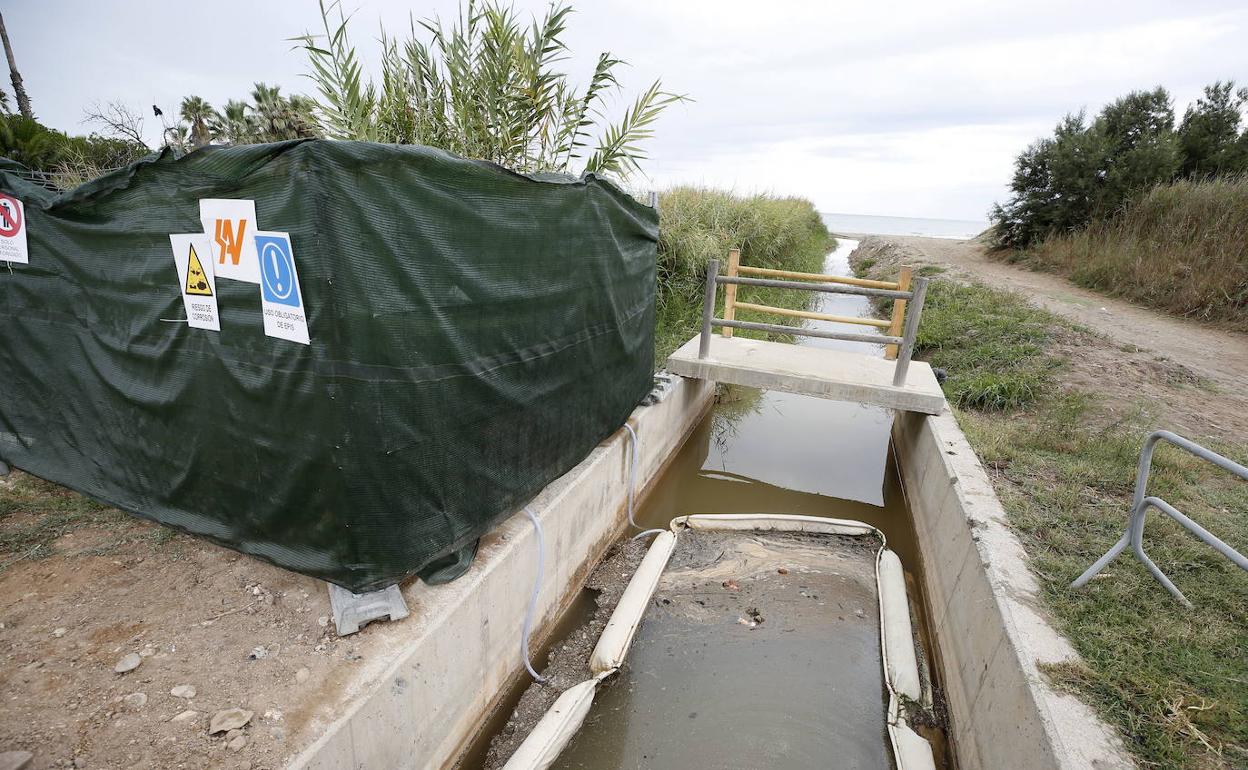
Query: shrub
(1087, 170)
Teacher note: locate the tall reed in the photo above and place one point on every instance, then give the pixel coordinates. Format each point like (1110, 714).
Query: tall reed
(699, 224)
(485, 86)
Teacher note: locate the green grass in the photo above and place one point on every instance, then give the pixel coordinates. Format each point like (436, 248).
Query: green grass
(1173, 681)
(698, 225)
(991, 344)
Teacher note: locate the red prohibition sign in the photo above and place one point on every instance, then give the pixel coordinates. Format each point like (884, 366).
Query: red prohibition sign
(10, 216)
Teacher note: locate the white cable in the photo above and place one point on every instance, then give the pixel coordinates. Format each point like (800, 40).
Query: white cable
(632, 485)
(541, 554)
(645, 532)
(537, 587)
(632, 473)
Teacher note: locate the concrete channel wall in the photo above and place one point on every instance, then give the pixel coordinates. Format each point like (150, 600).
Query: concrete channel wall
(983, 606)
(448, 664)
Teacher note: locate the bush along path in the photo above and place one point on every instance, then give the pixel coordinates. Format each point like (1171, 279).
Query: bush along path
(1059, 433)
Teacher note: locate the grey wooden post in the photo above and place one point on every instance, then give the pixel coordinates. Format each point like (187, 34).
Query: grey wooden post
(708, 308)
(913, 311)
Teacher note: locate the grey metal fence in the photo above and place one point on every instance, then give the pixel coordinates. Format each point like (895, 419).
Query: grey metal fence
(1141, 503)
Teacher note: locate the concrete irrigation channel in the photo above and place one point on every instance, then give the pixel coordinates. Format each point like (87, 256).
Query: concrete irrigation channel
(446, 687)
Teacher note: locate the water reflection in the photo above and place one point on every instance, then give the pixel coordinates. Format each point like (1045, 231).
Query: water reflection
(804, 443)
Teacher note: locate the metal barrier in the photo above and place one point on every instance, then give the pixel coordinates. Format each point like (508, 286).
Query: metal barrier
(907, 307)
(1134, 534)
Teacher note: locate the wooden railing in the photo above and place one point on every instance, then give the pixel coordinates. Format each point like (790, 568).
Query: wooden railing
(898, 338)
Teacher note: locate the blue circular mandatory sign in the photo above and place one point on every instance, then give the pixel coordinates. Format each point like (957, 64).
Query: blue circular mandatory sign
(277, 272)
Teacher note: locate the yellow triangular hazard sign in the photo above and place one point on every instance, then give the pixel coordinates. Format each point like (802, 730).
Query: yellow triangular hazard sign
(196, 281)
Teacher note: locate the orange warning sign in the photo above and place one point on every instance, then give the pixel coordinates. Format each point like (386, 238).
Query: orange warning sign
(196, 281)
(230, 239)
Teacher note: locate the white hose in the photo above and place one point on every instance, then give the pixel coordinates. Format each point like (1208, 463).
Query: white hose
(632, 473)
(537, 587)
(541, 553)
(632, 485)
(646, 532)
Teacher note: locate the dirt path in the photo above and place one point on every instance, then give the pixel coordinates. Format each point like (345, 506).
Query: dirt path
(1220, 356)
(1184, 376)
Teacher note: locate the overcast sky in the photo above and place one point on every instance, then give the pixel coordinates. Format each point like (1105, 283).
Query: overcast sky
(905, 109)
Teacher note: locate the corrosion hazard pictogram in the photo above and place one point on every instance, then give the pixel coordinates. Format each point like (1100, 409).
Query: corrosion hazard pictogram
(196, 281)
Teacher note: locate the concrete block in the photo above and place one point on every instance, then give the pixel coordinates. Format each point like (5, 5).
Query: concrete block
(352, 611)
(985, 618)
(833, 374)
(15, 760)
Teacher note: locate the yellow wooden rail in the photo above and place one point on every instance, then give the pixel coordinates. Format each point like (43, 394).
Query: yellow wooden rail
(840, 319)
(772, 273)
(899, 311)
(893, 324)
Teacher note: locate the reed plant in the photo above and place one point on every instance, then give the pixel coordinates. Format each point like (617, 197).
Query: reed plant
(486, 86)
(699, 224)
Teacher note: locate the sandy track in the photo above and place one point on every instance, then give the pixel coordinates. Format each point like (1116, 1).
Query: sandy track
(1180, 374)
(1221, 356)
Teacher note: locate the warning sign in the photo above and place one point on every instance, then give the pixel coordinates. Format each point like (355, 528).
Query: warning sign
(281, 301)
(196, 280)
(13, 230)
(195, 276)
(230, 225)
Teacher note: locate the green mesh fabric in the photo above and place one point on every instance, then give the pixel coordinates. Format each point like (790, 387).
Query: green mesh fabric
(475, 333)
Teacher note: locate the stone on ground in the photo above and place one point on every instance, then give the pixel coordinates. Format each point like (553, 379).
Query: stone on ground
(228, 719)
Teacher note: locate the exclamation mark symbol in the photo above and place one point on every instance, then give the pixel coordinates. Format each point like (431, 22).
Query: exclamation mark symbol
(277, 273)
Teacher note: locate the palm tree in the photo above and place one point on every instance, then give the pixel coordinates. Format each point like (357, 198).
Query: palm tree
(27, 142)
(303, 112)
(280, 118)
(19, 90)
(237, 125)
(200, 115)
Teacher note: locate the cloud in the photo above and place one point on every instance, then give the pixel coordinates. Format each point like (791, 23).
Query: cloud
(912, 108)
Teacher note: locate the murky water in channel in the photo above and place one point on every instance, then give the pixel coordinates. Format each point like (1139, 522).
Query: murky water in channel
(692, 694)
(702, 689)
(777, 699)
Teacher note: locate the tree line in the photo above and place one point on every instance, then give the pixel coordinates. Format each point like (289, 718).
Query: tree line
(1088, 169)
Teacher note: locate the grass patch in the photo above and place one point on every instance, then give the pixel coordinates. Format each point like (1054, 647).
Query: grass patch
(698, 225)
(991, 344)
(1173, 681)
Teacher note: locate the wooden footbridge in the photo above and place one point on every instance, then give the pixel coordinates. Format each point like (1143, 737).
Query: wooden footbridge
(894, 381)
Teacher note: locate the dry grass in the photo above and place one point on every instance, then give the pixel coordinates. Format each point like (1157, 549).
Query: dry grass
(1180, 247)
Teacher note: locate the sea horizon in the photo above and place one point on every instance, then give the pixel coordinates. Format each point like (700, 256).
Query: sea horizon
(872, 224)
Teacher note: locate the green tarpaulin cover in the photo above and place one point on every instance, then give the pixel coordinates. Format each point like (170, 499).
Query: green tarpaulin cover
(474, 333)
